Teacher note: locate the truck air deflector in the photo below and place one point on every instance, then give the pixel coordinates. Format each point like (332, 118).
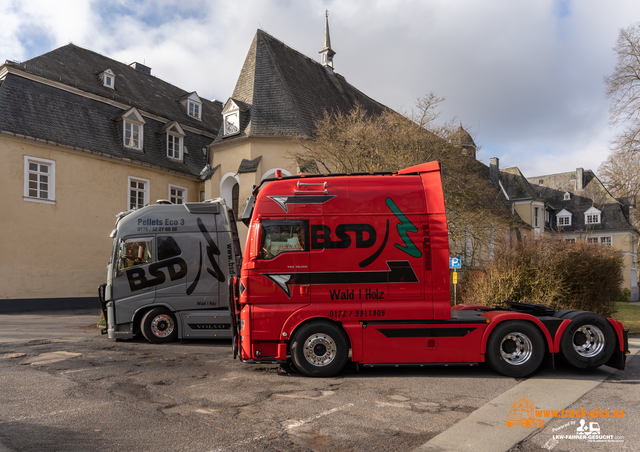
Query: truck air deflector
(399, 272)
(284, 201)
(202, 208)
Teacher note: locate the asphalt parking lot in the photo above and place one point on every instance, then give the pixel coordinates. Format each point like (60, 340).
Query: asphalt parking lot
(66, 387)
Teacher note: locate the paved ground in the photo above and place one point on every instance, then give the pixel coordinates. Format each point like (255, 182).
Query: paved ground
(65, 387)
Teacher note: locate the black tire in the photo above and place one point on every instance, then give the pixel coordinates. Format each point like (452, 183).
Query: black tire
(589, 340)
(515, 348)
(319, 349)
(566, 312)
(159, 326)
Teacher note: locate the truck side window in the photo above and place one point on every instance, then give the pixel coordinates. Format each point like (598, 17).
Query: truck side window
(134, 252)
(167, 247)
(282, 236)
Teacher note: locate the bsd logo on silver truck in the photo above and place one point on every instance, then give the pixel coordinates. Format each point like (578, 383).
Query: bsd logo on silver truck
(177, 267)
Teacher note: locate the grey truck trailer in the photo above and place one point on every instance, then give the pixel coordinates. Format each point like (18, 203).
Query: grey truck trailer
(168, 272)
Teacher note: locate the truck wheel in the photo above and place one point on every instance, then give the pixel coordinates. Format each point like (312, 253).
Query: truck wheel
(319, 349)
(515, 349)
(159, 326)
(589, 340)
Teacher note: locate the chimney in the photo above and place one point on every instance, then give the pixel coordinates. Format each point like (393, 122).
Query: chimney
(494, 170)
(141, 67)
(579, 179)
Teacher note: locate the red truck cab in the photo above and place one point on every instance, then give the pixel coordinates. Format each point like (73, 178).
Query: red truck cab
(341, 266)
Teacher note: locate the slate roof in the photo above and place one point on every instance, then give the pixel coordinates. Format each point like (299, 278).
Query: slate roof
(286, 92)
(516, 185)
(614, 216)
(249, 166)
(40, 111)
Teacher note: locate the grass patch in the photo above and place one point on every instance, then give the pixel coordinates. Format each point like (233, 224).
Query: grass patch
(629, 315)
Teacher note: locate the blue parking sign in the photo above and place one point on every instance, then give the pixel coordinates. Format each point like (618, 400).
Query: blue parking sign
(455, 262)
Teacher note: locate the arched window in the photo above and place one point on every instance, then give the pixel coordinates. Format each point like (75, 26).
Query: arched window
(230, 189)
(235, 197)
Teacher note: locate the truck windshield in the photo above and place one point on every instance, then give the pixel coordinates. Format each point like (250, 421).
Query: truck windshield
(133, 252)
(282, 236)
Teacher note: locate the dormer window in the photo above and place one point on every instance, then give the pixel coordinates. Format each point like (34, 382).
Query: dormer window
(592, 216)
(175, 141)
(567, 196)
(192, 105)
(194, 109)
(133, 129)
(564, 218)
(108, 78)
(231, 123)
(231, 118)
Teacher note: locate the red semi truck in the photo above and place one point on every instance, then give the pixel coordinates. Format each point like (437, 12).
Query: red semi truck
(356, 266)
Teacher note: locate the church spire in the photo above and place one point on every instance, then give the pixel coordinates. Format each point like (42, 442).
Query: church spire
(327, 52)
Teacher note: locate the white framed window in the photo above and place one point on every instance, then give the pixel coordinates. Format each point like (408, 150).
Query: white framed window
(194, 109)
(137, 193)
(174, 146)
(606, 241)
(133, 129)
(231, 123)
(39, 180)
(109, 81)
(570, 240)
(563, 218)
(593, 240)
(108, 78)
(132, 135)
(175, 141)
(177, 195)
(536, 217)
(592, 216)
(592, 219)
(567, 196)
(231, 118)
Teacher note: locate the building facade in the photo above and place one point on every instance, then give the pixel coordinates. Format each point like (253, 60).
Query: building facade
(82, 138)
(576, 206)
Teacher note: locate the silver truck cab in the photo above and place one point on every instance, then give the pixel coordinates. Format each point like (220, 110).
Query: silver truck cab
(168, 273)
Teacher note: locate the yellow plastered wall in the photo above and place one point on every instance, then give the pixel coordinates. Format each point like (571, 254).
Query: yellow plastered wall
(275, 152)
(62, 250)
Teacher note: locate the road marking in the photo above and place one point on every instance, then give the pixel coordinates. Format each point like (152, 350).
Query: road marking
(290, 424)
(76, 370)
(294, 396)
(295, 424)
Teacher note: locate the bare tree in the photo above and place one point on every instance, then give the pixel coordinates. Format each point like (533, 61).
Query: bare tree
(358, 141)
(623, 87)
(620, 173)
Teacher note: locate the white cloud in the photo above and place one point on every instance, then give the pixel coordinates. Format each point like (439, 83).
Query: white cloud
(527, 77)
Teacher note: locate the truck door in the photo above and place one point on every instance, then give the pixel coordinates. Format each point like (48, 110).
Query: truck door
(278, 284)
(133, 281)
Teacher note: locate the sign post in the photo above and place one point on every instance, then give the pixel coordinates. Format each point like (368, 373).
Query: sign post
(455, 263)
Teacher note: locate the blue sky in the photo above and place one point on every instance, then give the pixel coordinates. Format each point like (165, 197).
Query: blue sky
(525, 77)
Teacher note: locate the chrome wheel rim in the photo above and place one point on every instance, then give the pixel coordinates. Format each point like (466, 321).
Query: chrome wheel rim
(516, 348)
(588, 341)
(320, 350)
(162, 325)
